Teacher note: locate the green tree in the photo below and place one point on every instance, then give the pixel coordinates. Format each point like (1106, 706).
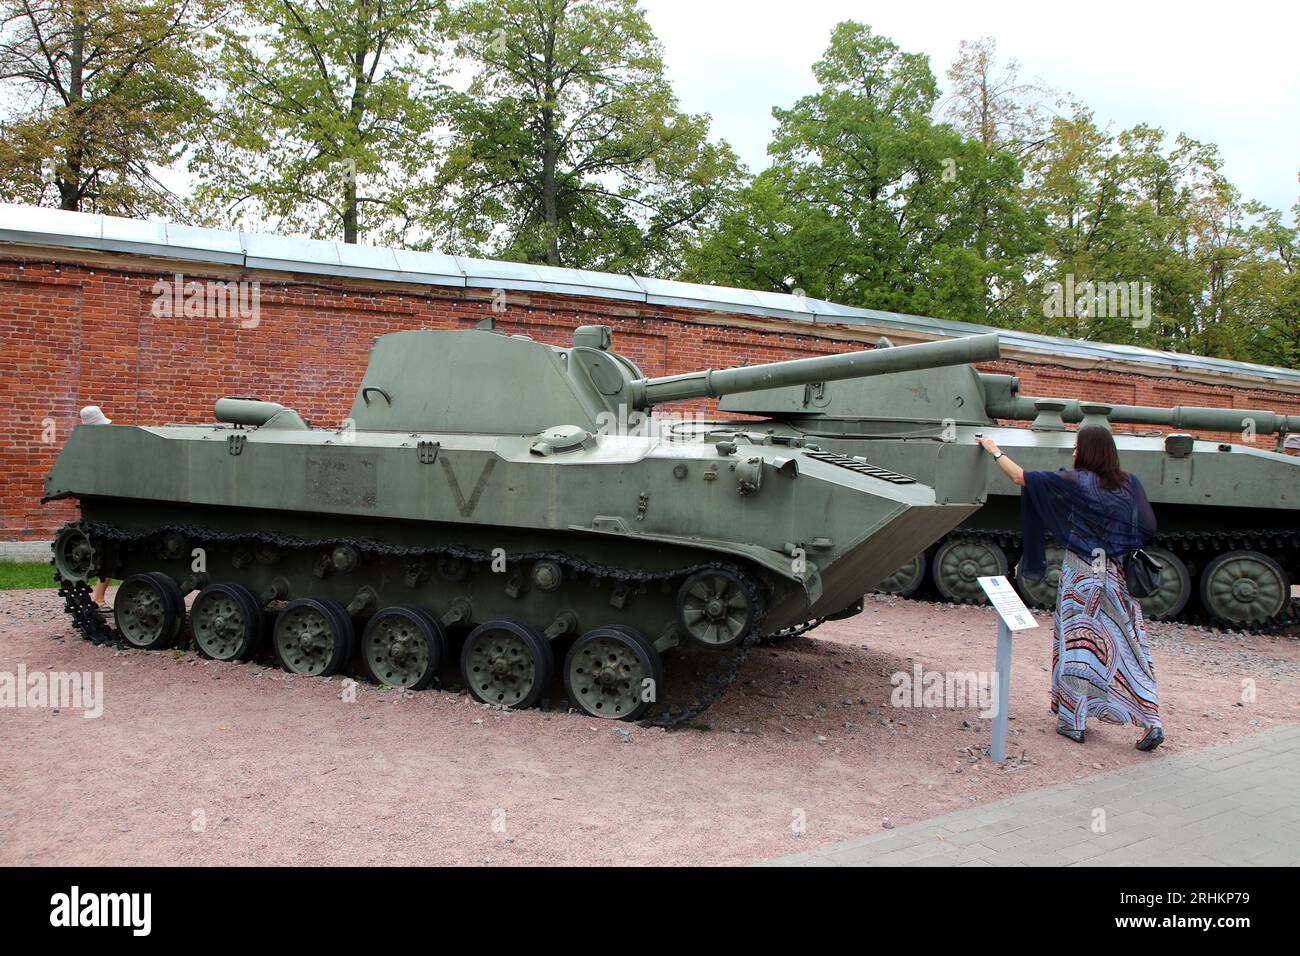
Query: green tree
(102, 95)
(870, 202)
(570, 148)
(765, 239)
(1076, 186)
(1139, 207)
(329, 118)
(1268, 291)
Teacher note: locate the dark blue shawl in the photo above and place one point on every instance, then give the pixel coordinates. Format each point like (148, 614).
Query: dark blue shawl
(1080, 515)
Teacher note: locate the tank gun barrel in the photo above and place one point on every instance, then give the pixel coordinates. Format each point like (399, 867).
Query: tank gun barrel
(714, 383)
(1027, 408)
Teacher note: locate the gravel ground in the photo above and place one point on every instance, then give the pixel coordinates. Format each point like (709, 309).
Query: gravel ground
(195, 762)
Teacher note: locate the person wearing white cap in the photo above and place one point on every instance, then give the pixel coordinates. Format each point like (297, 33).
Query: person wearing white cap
(94, 415)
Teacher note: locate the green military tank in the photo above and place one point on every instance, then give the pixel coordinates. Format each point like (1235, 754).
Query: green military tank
(1229, 514)
(505, 496)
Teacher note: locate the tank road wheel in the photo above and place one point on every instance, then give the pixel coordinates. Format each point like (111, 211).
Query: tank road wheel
(508, 663)
(313, 636)
(1169, 598)
(1244, 587)
(606, 673)
(907, 580)
(714, 608)
(149, 610)
(227, 621)
(403, 647)
(960, 561)
(74, 555)
(1043, 592)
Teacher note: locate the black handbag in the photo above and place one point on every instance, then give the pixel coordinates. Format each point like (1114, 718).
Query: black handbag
(1141, 573)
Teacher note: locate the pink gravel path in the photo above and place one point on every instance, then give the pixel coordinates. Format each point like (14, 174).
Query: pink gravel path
(284, 771)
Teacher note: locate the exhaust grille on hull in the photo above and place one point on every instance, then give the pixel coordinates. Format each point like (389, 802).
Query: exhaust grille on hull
(861, 467)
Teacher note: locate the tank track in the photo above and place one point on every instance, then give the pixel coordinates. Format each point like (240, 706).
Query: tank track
(1186, 542)
(86, 616)
(717, 674)
(794, 630)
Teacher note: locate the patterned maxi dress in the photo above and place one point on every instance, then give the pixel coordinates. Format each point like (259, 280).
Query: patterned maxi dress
(1101, 663)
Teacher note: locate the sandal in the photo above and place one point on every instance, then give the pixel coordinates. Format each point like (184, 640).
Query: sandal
(1153, 739)
(1065, 730)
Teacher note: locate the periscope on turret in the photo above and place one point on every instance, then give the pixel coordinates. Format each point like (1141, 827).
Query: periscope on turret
(472, 516)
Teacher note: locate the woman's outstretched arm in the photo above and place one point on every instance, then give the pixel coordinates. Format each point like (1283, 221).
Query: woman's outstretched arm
(1009, 467)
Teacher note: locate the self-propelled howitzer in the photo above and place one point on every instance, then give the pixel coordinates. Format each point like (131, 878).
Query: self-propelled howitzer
(1229, 513)
(481, 492)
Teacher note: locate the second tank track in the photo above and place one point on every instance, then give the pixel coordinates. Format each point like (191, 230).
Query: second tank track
(1205, 544)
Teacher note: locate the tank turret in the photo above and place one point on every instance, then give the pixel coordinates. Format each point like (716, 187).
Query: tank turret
(419, 380)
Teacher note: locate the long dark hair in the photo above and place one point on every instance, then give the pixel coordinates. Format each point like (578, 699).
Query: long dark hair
(1095, 451)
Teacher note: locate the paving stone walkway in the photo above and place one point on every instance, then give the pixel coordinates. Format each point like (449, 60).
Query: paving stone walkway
(1235, 804)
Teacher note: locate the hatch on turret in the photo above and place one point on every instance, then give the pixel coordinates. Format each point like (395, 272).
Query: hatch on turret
(562, 438)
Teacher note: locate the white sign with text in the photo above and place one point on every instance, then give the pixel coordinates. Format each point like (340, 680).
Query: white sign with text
(1007, 602)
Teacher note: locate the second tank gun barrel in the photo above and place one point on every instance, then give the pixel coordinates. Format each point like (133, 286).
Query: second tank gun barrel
(1027, 408)
(715, 383)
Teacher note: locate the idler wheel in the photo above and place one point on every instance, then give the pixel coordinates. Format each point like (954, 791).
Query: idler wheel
(74, 555)
(313, 636)
(403, 646)
(507, 663)
(1043, 592)
(960, 562)
(607, 670)
(1169, 598)
(1244, 587)
(907, 580)
(714, 608)
(227, 621)
(149, 610)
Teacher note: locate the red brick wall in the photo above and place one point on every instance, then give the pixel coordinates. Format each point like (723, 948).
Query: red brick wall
(79, 329)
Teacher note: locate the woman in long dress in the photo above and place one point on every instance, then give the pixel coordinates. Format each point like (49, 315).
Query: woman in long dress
(1101, 662)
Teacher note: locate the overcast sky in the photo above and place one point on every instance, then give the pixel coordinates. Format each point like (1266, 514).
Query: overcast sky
(1225, 73)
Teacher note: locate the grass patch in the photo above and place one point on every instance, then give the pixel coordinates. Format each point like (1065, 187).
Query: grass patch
(698, 725)
(26, 574)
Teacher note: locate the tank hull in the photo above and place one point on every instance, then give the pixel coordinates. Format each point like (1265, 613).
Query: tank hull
(478, 529)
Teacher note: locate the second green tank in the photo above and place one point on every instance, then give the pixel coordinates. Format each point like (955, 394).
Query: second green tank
(1229, 513)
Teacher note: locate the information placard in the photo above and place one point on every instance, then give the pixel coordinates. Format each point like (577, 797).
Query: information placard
(1007, 602)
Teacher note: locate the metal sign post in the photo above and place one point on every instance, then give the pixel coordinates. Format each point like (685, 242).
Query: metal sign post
(1012, 616)
(998, 745)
